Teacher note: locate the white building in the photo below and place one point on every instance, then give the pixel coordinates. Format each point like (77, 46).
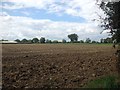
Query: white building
(8, 42)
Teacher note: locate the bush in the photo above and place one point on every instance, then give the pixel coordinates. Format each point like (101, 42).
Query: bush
(55, 41)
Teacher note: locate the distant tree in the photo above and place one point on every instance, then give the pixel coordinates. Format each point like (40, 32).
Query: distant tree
(102, 40)
(107, 40)
(42, 40)
(48, 41)
(17, 40)
(24, 41)
(81, 41)
(73, 37)
(94, 42)
(88, 40)
(30, 41)
(55, 41)
(4, 40)
(63, 41)
(97, 42)
(35, 40)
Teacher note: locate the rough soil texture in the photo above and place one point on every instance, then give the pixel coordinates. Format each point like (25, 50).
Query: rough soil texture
(55, 65)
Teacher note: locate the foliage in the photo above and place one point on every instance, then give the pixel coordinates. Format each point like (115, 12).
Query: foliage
(24, 41)
(17, 40)
(63, 41)
(88, 40)
(107, 40)
(3, 40)
(55, 41)
(81, 41)
(112, 19)
(48, 41)
(30, 41)
(35, 40)
(73, 37)
(94, 42)
(42, 40)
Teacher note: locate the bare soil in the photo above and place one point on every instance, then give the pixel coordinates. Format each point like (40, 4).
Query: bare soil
(55, 65)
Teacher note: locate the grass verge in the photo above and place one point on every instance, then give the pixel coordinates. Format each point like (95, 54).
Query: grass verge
(104, 82)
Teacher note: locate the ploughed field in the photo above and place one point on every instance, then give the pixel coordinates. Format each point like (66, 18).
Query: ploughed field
(55, 65)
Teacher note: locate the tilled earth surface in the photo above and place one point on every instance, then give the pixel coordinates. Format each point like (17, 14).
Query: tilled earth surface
(55, 65)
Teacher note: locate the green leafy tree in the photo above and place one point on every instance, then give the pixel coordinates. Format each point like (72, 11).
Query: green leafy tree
(35, 40)
(112, 22)
(30, 41)
(42, 40)
(94, 42)
(73, 37)
(18, 40)
(55, 41)
(112, 19)
(88, 40)
(105, 41)
(4, 40)
(109, 40)
(102, 40)
(81, 41)
(24, 40)
(48, 41)
(63, 41)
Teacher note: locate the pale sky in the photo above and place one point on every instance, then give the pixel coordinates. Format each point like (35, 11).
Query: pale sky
(52, 19)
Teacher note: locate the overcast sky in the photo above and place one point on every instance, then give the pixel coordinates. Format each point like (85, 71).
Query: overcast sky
(52, 19)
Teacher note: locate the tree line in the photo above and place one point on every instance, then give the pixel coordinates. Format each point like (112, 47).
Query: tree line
(73, 39)
(107, 40)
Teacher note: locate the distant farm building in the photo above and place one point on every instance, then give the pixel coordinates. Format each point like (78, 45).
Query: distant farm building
(7, 42)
